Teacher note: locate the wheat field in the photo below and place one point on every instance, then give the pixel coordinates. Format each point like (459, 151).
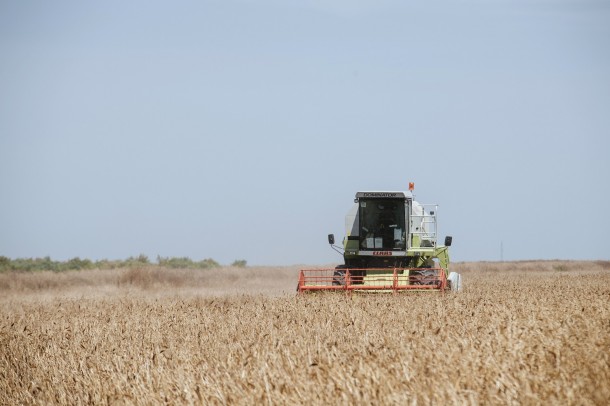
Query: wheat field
(533, 332)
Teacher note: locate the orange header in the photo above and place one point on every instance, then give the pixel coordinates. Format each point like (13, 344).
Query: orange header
(411, 186)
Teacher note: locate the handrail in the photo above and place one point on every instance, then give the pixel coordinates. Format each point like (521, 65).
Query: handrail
(427, 221)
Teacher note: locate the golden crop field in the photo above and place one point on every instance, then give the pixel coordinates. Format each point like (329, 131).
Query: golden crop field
(519, 333)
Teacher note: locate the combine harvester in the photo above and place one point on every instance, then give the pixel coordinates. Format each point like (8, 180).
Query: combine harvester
(390, 246)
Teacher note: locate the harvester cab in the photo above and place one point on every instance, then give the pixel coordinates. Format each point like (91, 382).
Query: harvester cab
(391, 245)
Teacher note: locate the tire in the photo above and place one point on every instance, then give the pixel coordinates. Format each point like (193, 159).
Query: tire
(339, 276)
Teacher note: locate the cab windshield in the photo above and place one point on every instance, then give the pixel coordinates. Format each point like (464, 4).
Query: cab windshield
(382, 224)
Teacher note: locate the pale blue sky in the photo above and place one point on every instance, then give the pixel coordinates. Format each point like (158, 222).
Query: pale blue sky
(243, 129)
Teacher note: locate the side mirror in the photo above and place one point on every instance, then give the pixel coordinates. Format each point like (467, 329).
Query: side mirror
(448, 240)
(331, 239)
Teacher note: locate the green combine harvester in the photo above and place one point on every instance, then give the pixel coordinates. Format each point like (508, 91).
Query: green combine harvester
(390, 246)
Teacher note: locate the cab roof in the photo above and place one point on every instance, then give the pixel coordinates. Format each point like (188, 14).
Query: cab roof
(384, 195)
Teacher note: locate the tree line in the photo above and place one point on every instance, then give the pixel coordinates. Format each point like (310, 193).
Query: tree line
(75, 264)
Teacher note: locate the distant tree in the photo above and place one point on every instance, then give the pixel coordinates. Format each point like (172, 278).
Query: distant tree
(76, 264)
(5, 263)
(208, 263)
(239, 263)
(47, 264)
(138, 261)
(186, 263)
(176, 263)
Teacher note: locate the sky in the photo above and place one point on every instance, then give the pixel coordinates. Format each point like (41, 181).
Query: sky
(242, 129)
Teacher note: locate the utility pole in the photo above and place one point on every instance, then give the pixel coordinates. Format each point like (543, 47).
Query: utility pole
(501, 251)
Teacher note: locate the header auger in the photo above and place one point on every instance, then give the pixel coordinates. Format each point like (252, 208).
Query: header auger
(390, 246)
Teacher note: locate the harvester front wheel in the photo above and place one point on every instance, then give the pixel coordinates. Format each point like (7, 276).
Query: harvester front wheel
(339, 275)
